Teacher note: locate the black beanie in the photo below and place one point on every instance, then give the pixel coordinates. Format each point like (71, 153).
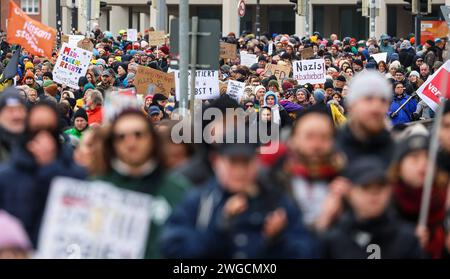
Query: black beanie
(80, 113)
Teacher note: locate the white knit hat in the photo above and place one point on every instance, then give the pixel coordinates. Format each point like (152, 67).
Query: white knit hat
(368, 83)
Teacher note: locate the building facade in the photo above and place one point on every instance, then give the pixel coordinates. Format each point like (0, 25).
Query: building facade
(276, 16)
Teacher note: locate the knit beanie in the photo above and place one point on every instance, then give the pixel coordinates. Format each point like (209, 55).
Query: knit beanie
(369, 83)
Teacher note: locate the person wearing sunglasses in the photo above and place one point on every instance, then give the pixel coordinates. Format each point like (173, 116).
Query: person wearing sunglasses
(40, 156)
(131, 159)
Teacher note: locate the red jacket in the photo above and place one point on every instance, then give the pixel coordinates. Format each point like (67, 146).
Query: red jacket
(95, 115)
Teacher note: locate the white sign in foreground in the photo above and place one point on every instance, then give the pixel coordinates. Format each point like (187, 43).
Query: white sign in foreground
(94, 220)
(309, 71)
(206, 84)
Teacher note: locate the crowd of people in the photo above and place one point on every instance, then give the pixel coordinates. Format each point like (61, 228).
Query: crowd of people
(349, 171)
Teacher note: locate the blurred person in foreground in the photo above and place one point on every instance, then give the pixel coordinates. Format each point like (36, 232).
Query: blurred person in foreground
(365, 133)
(130, 158)
(236, 215)
(14, 242)
(35, 161)
(12, 120)
(370, 228)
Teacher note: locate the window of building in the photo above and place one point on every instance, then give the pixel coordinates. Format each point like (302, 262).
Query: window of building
(30, 6)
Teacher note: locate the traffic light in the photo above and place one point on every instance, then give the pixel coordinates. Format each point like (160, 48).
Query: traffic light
(299, 7)
(416, 6)
(362, 6)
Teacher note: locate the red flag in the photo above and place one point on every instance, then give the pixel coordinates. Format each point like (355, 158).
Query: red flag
(436, 87)
(32, 35)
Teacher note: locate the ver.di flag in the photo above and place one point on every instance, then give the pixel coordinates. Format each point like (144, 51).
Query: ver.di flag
(35, 37)
(436, 87)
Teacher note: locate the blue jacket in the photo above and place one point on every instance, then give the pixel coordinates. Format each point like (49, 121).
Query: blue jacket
(404, 115)
(197, 228)
(24, 186)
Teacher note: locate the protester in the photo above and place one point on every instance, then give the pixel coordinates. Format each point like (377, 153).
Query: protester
(216, 221)
(40, 156)
(131, 159)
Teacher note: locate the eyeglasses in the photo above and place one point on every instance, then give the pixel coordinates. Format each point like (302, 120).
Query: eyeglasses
(249, 105)
(119, 137)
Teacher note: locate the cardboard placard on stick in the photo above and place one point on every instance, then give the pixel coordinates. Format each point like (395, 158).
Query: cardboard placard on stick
(280, 71)
(151, 81)
(228, 51)
(157, 38)
(86, 44)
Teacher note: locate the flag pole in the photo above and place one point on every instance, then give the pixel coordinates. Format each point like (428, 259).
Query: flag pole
(432, 158)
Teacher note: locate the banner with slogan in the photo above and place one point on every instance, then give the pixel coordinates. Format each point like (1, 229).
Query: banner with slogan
(235, 89)
(228, 51)
(94, 220)
(35, 37)
(72, 63)
(436, 87)
(206, 84)
(151, 81)
(309, 71)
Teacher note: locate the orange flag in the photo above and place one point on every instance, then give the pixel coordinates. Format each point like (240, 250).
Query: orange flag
(32, 35)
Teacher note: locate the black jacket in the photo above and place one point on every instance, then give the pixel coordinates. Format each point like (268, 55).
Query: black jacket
(6, 142)
(380, 145)
(352, 239)
(406, 57)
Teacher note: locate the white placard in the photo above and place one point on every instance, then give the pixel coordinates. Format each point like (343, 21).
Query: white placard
(132, 35)
(235, 89)
(270, 50)
(74, 39)
(72, 63)
(380, 57)
(206, 84)
(248, 59)
(94, 220)
(309, 71)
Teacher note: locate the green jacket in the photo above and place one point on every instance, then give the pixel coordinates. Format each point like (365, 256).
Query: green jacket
(166, 190)
(73, 132)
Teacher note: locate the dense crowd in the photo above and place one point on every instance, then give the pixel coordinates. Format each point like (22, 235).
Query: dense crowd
(348, 172)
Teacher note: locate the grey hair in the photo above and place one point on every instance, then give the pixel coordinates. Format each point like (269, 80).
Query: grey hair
(96, 97)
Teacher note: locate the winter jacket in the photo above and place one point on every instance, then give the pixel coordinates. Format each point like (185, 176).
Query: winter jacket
(351, 239)
(95, 115)
(6, 142)
(406, 57)
(380, 145)
(166, 191)
(24, 185)
(198, 228)
(405, 114)
(74, 133)
(430, 57)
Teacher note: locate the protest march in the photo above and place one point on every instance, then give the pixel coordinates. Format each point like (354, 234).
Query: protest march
(295, 147)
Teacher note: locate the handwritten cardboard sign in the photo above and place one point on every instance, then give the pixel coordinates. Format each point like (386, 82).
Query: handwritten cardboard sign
(227, 51)
(151, 81)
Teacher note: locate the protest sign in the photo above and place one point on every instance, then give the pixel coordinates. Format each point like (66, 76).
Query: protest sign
(227, 51)
(248, 59)
(151, 81)
(436, 87)
(73, 40)
(307, 53)
(86, 44)
(35, 37)
(270, 49)
(281, 72)
(309, 71)
(380, 57)
(206, 84)
(101, 220)
(132, 35)
(72, 63)
(157, 38)
(235, 89)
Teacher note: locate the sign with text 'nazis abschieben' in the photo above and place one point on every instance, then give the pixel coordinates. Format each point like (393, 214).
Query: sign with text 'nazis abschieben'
(309, 71)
